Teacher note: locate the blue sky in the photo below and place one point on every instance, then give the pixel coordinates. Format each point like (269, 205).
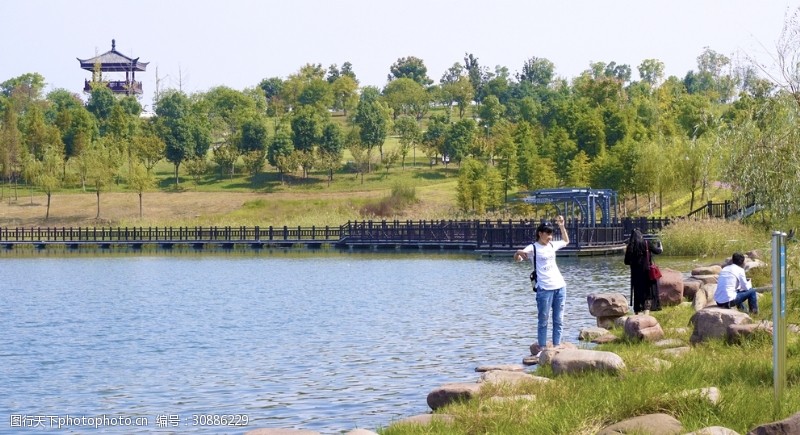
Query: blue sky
(201, 44)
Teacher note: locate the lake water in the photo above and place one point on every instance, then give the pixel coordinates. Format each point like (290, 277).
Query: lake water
(319, 340)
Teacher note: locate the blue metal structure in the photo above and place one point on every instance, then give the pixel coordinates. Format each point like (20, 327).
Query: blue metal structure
(580, 203)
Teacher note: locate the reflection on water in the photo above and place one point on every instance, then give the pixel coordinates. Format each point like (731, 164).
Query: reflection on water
(321, 340)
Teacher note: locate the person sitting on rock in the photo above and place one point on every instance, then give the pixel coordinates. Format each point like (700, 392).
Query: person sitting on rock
(733, 287)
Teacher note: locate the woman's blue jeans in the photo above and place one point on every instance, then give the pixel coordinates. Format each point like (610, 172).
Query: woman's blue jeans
(545, 300)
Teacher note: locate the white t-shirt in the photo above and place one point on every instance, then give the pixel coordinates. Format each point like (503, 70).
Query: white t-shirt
(731, 279)
(548, 275)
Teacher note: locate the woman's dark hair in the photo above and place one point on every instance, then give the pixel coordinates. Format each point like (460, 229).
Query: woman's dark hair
(636, 244)
(544, 227)
(738, 259)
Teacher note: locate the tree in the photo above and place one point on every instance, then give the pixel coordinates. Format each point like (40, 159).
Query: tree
(10, 145)
(579, 168)
(101, 163)
(410, 67)
(149, 149)
(101, 102)
(537, 71)
(435, 135)
(409, 132)
(373, 119)
(179, 126)
(331, 146)
(475, 73)
(307, 126)
(197, 166)
(651, 71)
(406, 97)
(345, 95)
(140, 180)
(48, 178)
(459, 140)
(281, 148)
(272, 88)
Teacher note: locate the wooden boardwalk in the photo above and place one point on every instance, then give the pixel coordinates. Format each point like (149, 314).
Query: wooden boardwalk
(479, 236)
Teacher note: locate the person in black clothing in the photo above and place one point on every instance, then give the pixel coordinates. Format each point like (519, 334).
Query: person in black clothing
(644, 291)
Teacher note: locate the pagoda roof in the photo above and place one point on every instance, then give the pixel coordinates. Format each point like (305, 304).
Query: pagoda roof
(113, 60)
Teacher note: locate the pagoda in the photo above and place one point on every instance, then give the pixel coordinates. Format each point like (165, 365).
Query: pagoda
(114, 61)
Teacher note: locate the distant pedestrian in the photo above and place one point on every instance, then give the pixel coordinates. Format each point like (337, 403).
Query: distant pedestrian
(733, 287)
(551, 289)
(644, 290)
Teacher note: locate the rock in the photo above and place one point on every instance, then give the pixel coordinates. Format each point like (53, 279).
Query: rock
(690, 288)
(676, 351)
(643, 327)
(535, 349)
(607, 304)
(580, 360)
(755, 254)
(530, 360)
(707, 279)
(589, 334)
(714, 430)
(510, 378)
(608, 322)
(651, 424)
(738, 333)
(705, 297)
(752, 264)
(670, 287)
(550, 352)
(707, 270)
(608, 338)
(504, 367)
(710, 393)
(425, 419)
(713, 323)
(269, 431)
(789, 425)
(449, 393)
(669, 342)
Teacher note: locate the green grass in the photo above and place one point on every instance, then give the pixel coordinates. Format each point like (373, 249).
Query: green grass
(711, 238)
(584, 403)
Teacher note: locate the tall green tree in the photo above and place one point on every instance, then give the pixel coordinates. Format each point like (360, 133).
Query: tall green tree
(331, 148)
(373, 119)
(181, 129)
(412, 68)
(409, 134)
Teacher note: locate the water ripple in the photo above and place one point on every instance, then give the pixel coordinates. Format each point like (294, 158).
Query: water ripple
(328, 343)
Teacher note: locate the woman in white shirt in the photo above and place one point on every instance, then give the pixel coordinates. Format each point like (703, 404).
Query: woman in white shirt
(551, 289)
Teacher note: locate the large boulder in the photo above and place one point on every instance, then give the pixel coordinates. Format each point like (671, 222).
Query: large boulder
(651, 424)
(691, 287)
(714, 269)
(510, 378)
(643, 327)
(589, 334)
(607, 304)
(581, 360)
(713, 322)
(704, 297)
(714, 430)
(449, 393)
(789, 425)
(739, 333)
(670, 287)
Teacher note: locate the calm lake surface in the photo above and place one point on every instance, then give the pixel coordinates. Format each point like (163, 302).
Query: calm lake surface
(322, 340)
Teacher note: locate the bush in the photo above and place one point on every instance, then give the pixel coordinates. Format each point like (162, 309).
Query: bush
(402, 196)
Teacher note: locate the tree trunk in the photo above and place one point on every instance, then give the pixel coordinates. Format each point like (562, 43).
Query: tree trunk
(140, 205)
(176, 174)
(47, 213)
(98, 204)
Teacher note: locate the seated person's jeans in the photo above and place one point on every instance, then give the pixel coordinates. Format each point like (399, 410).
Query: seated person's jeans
(748, 295)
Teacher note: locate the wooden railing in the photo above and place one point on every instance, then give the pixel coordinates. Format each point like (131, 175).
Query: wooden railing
(478, 235)
(723, 210)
